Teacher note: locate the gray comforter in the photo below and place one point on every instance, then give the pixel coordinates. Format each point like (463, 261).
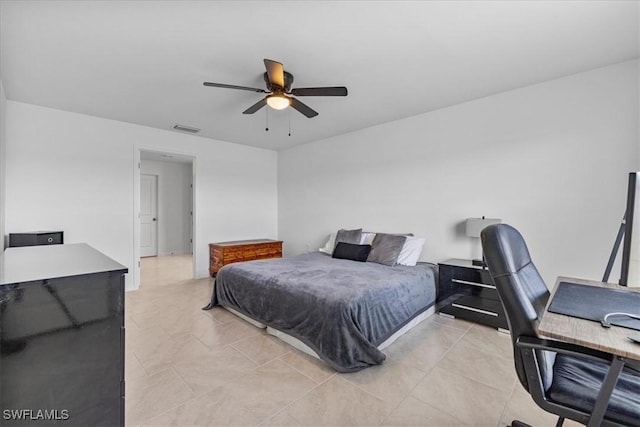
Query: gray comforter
(341, 309)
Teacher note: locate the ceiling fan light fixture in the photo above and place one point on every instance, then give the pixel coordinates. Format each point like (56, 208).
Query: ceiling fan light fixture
(278, 102)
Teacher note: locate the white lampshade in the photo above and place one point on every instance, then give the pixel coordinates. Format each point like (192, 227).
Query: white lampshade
(475, 225)
(278, 102)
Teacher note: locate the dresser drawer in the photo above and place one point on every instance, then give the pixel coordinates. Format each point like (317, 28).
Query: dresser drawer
(234, 254)
(266, 251)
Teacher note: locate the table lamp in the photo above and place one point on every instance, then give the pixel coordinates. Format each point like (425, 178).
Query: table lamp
(473, 229)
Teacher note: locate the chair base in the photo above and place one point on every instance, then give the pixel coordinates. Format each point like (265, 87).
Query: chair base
(516, 423)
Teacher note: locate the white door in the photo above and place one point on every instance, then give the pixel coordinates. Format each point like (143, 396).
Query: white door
(148, 215)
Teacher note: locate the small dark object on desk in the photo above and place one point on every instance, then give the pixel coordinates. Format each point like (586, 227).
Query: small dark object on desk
(635, 338)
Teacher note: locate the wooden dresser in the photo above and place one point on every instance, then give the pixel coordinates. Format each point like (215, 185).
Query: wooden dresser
(223, 253)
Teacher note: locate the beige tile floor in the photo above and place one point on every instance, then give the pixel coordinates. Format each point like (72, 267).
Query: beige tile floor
(188, 367)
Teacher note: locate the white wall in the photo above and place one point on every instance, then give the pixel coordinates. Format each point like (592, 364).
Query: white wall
(174, 204)
(79, 174)
(3, 131)
(550, 159)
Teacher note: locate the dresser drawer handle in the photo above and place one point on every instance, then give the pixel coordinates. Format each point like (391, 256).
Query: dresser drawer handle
(482, 285)
(477, 310)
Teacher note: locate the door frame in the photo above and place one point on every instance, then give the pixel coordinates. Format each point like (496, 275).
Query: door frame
(137, 149)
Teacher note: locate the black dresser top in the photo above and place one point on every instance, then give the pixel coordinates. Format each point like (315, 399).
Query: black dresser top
(457, 262)
(34, 263)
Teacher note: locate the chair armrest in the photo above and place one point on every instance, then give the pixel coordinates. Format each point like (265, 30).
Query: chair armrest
(573, 350)
(528, 347)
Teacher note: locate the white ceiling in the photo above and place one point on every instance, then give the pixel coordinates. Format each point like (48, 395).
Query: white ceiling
(144, 62)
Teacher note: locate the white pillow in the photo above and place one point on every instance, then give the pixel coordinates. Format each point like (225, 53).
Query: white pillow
(329, 246)
(367, 238)
(411, 251)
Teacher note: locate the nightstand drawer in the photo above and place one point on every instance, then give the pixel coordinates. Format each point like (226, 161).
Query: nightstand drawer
(467, 280)
(477, 285)
(488, 307)
(473, 290)
(465, 274)
(467, 291)
(482, 310)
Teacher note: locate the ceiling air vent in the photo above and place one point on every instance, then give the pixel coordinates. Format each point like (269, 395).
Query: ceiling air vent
(184, 128)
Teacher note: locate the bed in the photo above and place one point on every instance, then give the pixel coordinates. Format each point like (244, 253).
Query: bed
(344, 311)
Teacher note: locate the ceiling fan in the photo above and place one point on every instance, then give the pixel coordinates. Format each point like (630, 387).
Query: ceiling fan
(279, 90)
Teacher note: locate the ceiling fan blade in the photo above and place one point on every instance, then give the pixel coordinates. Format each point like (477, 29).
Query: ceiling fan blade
(320, 91)
(252, 89)
(255, 107)
(275, 71)
(303, 108)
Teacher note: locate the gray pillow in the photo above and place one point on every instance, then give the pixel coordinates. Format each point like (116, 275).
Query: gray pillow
(385, 249)
(348, 236)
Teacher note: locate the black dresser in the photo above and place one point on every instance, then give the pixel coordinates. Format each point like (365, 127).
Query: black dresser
(467, 291)
(61, 337)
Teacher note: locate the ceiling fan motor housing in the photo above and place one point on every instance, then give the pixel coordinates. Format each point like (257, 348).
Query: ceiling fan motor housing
(288, 81)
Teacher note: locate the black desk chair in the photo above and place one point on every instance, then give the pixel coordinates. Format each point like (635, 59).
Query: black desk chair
(562, 378)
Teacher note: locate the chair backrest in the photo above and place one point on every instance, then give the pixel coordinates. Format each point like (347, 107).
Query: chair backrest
(521, 289)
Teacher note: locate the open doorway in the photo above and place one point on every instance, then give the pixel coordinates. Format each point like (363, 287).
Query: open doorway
(165, 219)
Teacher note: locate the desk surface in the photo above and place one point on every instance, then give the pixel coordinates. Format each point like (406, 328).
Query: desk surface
(588, 333)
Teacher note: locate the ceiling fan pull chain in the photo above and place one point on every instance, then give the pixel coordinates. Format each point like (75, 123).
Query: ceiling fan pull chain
(267, 128)
(289, 121)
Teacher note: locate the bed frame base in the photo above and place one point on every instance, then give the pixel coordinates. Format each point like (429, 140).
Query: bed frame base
(297, 344)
